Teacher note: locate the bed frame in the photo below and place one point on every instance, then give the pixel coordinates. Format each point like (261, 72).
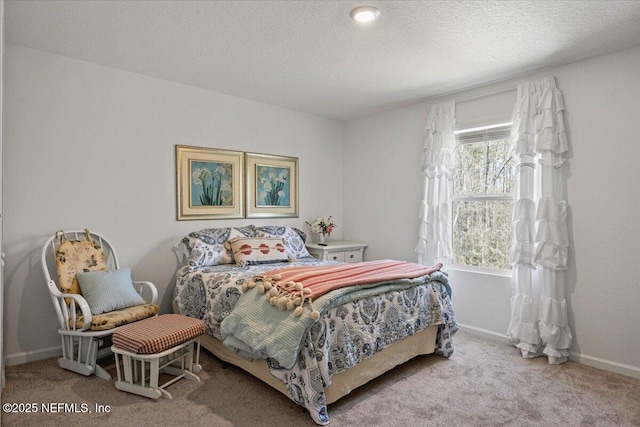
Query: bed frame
(423, 342)
(343, 383)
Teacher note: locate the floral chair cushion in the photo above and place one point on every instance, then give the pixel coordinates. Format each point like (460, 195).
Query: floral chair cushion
(113, 319)
(77, 256)
(293, 239)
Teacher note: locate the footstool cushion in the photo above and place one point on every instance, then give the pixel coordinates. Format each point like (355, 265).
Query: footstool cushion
(156, 334)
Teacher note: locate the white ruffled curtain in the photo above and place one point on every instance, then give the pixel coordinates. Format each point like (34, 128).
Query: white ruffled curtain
(540, 238)
(438, 162)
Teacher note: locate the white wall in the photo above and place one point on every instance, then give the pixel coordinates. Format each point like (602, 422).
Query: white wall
(90, 146)
(602, 96)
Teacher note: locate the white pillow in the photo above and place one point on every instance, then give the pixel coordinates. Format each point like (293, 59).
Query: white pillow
(258, 250)
(107, 291)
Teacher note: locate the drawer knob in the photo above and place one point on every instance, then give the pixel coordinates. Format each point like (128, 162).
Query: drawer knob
(351, 256)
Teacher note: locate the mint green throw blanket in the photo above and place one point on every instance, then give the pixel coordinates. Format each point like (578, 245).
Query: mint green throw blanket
(257, 330)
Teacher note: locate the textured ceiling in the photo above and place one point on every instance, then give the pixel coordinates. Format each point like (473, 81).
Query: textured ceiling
(309, 55)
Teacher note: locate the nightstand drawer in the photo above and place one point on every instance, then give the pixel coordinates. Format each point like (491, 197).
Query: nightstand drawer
(335, 256)
(353, 256)
(337, 250)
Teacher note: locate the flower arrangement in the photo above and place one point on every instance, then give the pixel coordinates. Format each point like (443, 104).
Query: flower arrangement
(216, 185)
(322, 226)
(273, 187)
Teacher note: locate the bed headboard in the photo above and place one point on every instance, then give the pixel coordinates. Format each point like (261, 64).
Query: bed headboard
(182, 253)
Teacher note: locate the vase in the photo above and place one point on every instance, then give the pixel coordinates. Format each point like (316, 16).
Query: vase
(320, 239)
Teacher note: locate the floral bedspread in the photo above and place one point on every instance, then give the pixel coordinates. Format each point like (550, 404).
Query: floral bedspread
(344, 335)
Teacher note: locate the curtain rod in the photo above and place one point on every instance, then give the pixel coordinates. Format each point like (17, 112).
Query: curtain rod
(484, 94)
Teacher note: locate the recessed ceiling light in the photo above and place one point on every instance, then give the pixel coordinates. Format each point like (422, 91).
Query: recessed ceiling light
(364, 14)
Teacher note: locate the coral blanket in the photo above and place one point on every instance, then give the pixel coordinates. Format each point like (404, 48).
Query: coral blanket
(256, 329)
(321, 280)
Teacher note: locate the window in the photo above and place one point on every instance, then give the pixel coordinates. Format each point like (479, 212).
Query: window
(482, 198)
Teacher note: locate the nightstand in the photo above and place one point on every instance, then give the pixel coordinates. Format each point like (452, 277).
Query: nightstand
(338, 251)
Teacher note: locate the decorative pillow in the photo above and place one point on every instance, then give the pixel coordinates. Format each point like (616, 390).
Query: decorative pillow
(293, 239)
(301, 233)
(206, 247)
(258, 250)
(77, 256)
(107, 291)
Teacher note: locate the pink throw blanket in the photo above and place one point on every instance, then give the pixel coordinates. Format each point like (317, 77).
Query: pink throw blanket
(321, 280)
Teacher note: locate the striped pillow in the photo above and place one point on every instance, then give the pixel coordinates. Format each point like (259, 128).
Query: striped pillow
(107, 291)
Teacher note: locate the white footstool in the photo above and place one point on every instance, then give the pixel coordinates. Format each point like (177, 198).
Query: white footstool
(169, 343)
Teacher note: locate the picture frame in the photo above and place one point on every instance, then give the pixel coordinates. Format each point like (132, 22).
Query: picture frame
(209, 183)
(271, 186)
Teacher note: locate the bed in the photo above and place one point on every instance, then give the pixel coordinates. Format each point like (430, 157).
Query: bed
(360, 332)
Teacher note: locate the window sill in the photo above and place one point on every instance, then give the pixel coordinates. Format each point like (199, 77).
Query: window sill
(478, 270)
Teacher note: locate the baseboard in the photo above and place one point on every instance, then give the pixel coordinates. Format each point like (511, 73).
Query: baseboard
(596, 362)
(32, 356)
(484, 333)
(607, 365)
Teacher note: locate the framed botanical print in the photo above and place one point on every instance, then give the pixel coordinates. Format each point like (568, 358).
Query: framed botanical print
(209, 183)
(272, 186)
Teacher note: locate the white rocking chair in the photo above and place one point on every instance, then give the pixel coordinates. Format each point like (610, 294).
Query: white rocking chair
(81, 342)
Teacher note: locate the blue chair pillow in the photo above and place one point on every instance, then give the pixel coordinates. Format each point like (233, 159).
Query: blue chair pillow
(107, 291)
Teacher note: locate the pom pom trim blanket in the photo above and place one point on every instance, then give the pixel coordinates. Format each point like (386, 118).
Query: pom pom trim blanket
(255, 329)
(290, 288)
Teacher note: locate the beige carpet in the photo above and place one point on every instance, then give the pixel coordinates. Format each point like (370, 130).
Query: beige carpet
(485, 383)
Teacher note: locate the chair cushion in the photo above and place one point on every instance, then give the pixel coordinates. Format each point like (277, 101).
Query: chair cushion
(113, 319)
(109, 290)
(157, 334)
(77, 256)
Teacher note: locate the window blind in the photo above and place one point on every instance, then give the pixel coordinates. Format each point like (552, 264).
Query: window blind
(502, 132)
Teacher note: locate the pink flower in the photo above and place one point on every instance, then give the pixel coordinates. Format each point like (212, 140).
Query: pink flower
(322, 226)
